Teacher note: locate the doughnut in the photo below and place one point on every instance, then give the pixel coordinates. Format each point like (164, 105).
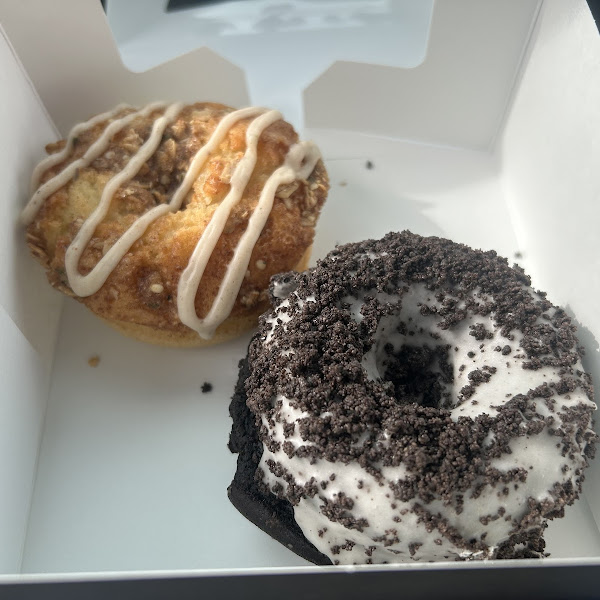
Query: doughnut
(410, 399)
(168, 221)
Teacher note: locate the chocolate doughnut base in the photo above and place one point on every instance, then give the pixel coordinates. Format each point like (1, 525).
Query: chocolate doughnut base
(274, 516)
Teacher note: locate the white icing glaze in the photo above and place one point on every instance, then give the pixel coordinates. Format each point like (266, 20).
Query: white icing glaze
(510, 377)
(394, 532)
(299, 163)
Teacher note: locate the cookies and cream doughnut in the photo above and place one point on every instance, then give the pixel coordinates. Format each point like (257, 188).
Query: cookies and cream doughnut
(169, 220)
(410, 399)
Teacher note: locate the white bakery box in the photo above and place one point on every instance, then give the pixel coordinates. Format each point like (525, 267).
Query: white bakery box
(481, 121)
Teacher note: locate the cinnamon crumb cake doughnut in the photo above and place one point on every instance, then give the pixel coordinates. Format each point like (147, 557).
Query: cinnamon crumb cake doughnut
(410, 399)
(168, 221)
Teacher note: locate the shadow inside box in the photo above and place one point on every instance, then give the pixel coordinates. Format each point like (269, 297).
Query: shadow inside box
(590, 345)
(32, 304)
(591, 348)
(358, 210)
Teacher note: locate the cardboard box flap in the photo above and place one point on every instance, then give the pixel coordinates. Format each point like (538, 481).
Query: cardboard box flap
(29, 308)
(474, 53)
(24, 293)
(550, 152)
(79, 72)
(282, 46)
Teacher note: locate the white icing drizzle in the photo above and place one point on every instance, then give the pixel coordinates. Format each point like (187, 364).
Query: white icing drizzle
(58, 157)
(299, 163)
(192, 274)
(86, 285)
(92, 153)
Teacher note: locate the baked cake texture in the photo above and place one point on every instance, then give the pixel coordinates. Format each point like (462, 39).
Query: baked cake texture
(168, 221)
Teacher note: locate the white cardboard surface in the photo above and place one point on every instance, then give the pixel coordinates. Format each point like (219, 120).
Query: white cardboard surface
(29, 311)
(75, 34)
(457, 97)
(24, 379)
(133, 466)
(550, 153)
(437, 185)
(24, 130)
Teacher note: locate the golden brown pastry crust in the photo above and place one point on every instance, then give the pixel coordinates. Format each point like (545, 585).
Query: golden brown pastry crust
(139, 296)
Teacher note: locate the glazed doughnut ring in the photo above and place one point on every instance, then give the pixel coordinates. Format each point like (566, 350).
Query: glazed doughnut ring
(415, 399)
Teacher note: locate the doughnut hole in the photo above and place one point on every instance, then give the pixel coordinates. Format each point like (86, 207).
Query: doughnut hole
(417, 367)
(418, 374)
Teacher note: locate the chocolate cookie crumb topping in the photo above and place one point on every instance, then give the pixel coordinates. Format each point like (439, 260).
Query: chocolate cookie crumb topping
(357, 394)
